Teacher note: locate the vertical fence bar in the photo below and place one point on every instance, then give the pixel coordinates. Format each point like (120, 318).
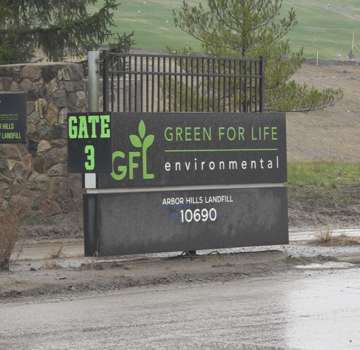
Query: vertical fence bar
(135, 67)
(229, 85)
(169, 84)
(152, 84)
(256, 87)
(224, 87)
(147, 83)
(235, 82)
(262, 88)
(105, 80)
(130, 97)
(213, 84)
(251, 87)
(158, 84)
(245, 88)
(208, 84)
(176, 83)
(218, 86)
(181, 84)
(192, 84)
(202, 85)
(142, 83)
(118, 84)
(164, 84)
(197, 85)
(123, 69)
(240, 87)
(186, 85)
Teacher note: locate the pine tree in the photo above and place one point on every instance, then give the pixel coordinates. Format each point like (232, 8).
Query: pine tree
(251, 29)
(54, 29)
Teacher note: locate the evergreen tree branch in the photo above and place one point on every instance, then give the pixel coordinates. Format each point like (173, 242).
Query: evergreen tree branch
(251, 29)
(56, 27)
(293, 97)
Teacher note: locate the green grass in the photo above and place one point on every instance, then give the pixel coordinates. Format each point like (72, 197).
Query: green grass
(153, 25)
(287, 257)
(324, 28)
(323, 179)
(324, 174)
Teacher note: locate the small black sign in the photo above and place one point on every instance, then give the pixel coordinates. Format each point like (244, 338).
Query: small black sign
(89, 142)
(12, 117)
(172, 149)
(149, 222)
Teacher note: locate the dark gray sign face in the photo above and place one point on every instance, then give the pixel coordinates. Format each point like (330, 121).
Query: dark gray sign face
(12, 117)
(172, 149)
(89, 142)
(133, 223)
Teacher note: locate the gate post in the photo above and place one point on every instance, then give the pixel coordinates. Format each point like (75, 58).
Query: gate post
(94, 81)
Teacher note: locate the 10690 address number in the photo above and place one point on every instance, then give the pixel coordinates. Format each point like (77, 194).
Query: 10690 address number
(197, 215)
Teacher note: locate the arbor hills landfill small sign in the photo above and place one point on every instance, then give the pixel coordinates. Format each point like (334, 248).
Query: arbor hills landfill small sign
(12, 117)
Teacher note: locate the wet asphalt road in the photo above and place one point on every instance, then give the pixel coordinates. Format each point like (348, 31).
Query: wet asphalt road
(309, 309)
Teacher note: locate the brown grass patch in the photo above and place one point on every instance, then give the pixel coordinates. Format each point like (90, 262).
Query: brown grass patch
(52, 266)
(19, 282)
(326, 238)
(57, 252)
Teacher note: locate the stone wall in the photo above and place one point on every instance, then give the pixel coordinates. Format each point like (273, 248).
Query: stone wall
(34, 174)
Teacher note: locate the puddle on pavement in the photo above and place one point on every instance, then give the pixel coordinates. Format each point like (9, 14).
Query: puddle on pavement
(327, 265)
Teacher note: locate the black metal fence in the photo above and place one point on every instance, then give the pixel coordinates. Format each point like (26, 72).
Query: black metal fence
(166, 83)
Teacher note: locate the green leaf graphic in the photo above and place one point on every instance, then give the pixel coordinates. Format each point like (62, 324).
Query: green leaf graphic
(136, 142)
(142, 129)
(148, 141)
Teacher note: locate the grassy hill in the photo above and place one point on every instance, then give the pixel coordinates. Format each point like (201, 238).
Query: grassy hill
(325, 26)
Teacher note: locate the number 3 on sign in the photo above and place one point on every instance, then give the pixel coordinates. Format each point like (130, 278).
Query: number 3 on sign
(90, 152)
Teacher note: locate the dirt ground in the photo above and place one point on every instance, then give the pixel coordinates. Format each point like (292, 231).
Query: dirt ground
(71, 276)
(332, 135)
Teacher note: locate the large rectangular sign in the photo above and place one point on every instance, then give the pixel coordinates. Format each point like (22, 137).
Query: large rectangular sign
(147, 222)
(176, 149)
(12, 117)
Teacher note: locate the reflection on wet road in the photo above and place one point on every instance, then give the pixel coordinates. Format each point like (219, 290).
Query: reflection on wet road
(305, 310)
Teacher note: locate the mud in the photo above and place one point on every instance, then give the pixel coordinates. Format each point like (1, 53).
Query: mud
(62, 226)
(92, 277)
(37, 276)
(319, 212)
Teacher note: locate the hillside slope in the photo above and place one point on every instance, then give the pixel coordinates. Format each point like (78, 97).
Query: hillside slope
(334, 133)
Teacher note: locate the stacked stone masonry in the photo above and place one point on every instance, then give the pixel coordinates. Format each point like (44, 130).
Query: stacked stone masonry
(33, 175)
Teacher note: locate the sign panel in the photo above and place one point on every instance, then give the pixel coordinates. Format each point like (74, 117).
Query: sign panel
(132, 223)
(12, 117)
(89, 142)
(175, 149)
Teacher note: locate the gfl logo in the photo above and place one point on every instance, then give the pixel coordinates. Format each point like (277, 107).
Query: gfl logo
(141, 142)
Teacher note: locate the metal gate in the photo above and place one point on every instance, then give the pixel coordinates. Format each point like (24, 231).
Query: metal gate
(166, 83)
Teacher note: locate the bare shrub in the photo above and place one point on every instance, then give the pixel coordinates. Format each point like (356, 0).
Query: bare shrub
(9, 223)
(57, 252)
(8, 236)
(326, 237)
